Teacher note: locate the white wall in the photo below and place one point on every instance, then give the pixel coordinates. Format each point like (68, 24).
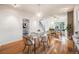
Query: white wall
(76, 19)
(10, 26)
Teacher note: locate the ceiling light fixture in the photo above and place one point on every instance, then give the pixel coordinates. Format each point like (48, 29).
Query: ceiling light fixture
(15, 5)
(39, 14)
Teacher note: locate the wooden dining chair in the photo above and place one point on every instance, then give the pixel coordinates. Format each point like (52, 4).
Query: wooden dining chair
(28, 45)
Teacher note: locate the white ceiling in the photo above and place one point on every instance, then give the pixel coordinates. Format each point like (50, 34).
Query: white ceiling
(45, 9)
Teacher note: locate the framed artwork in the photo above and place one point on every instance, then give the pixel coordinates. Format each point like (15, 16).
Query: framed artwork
(25, 26)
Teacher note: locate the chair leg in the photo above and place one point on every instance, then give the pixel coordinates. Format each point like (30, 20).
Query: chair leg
(24, 50)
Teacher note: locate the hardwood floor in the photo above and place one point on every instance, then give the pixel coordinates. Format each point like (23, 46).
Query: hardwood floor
(12, 48)
(54, 47)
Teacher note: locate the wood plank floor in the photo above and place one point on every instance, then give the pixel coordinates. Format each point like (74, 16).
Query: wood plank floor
(55, 48)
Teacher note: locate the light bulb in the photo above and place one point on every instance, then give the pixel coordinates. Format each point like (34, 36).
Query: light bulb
(39, 14)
